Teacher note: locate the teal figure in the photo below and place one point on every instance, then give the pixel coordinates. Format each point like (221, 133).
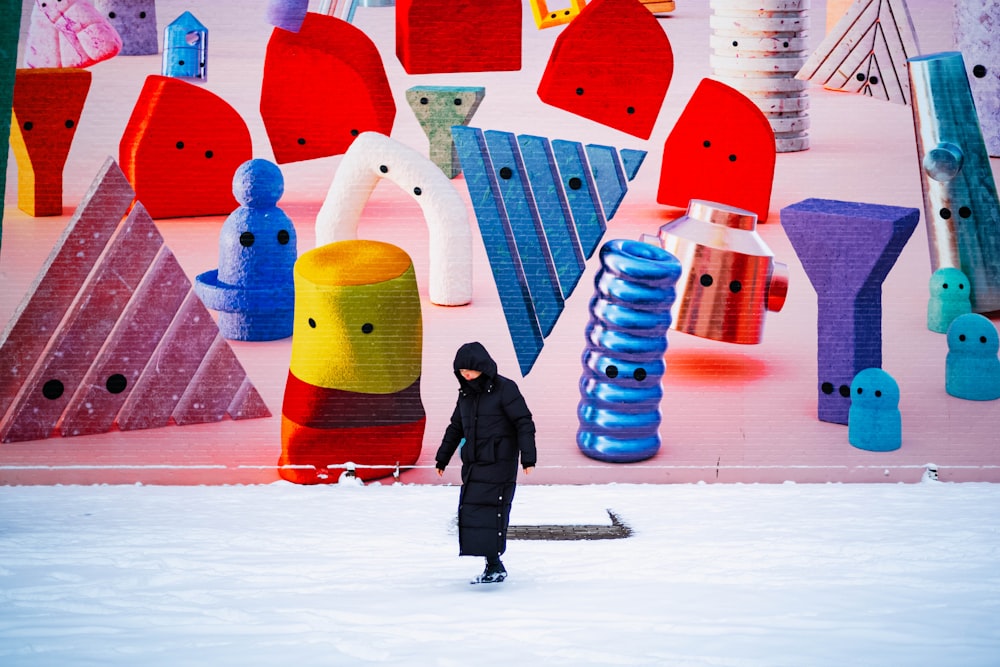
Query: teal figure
(972, 369)
(253, 288)
(951, 296)
(874, 422)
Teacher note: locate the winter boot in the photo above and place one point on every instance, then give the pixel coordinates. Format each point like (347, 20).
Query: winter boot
(493, 574)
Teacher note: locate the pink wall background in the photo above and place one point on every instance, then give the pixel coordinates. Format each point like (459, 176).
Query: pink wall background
(730, 413)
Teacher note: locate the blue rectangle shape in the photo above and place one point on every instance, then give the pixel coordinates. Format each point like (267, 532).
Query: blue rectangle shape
(522, 322)
(581, 193)
(609, 177)
(553, 210)
(529, 237)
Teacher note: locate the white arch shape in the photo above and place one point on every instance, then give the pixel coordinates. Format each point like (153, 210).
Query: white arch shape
(374, 156)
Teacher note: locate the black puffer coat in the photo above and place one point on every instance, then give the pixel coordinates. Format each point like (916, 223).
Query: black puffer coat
(491, 426)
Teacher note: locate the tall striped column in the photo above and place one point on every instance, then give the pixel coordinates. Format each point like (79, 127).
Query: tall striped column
(757, 47)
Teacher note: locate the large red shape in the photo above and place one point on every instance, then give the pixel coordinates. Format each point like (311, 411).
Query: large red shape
(613, 65)
(434, 36)
(181, 147)
(322, 87)
(721, 150)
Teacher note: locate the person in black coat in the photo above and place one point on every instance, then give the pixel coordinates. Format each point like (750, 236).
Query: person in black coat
(491, 427)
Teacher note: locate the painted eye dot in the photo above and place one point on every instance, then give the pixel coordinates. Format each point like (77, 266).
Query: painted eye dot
(116, 383)
(70, 124)
(111, 15)
(458, 101)
(575, 183)
(964, 212)
(961, 337)
(417, 191)
(873, 80)
(706, 143)
(424, 100)
(246, 239)
(52, 389)
(860, 76)
(180, 145)
(827, 388)
(579, 91)
(845, 391)
(982, 339)
(878, 394)
(979, 71)
(384, 169)
(301, 141)
(284, 237)
(209, 154)
(860, 391)
(611, 371)
(639, 374)
(630, 110)
(28, 125)
(735, 43)
(312, 323)
(732, 157)
(354, 133)
(944, 286)
(706, 280)
(142, 15)
(735, 286)
(367, 328)
(506, 173)
(945, 213)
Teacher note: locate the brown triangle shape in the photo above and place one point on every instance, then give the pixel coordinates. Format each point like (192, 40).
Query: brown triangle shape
(126, 322)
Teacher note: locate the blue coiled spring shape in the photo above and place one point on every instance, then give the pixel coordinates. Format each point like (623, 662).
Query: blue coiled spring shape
(623, 362)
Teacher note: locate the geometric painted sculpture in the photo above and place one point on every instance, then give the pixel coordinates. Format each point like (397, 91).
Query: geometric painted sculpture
(866, 52)
(613, 65)
(972, 369)
(874, 421)
(950, 297)
(721, 149)
(546, 18)
(68, 33)
(46, 111)
(287, 14)
(434, 36)
(729, 279)
(438, 108)
(977, 35)
(542, 209)
(185, 48)
(620, 392)
(253, 288)
(757, 48)
(322, 87)
(112, 334)
(847, 249)
(181, 147)
(353, 388)
(135, 22)
(961, 209)
(373, 157)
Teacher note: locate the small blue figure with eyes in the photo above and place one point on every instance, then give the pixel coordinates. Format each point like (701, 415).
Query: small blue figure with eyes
(253, 288)
(951, 296)
(874, 422)
(972, 369)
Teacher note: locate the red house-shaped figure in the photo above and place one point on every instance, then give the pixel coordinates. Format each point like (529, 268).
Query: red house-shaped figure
(434, 36)
(181, 147)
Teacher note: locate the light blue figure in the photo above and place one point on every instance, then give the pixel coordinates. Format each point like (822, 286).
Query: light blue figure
(951, 296)
(972, 369)
(185, 48)
(874, 422)
(253, 288)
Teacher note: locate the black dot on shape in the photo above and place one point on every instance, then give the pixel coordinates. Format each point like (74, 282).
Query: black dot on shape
(116, 383)
(52, 389)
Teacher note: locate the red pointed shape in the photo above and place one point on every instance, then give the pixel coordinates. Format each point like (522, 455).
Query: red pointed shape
(434, 36)
(181, 147)
(721, 150)
(613, 65)
(322, 87)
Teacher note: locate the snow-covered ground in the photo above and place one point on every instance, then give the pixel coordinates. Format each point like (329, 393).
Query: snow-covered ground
(735, 575)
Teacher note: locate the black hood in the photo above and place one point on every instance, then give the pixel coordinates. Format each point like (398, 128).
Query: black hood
(474, 357)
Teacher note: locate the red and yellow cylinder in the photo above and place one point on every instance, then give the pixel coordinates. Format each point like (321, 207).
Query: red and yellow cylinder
(353, 388)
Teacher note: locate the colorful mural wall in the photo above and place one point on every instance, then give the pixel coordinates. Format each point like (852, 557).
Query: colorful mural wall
(712, 242)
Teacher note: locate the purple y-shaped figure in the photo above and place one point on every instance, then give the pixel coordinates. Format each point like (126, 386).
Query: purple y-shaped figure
(847, 249)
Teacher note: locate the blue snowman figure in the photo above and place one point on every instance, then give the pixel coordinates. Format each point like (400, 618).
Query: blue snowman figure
(951, 296)
(972, 369)
(253, 289)
(874, 422)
